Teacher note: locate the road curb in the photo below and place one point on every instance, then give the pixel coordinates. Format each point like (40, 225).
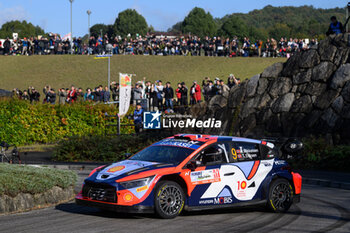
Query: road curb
(326, 183)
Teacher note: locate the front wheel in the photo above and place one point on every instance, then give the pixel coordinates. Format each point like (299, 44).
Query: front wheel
(169, 200)
(280, 196)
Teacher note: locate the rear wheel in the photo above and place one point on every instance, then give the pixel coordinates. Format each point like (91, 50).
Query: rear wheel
(169, 200)
(280, 196)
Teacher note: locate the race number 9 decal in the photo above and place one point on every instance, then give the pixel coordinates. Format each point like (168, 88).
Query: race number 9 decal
(242, 185)
(234, 153)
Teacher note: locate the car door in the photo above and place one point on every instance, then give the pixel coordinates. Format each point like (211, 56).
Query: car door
(208, 174)
(250, 170)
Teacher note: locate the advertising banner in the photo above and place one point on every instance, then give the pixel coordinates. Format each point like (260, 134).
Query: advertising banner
(124, 93)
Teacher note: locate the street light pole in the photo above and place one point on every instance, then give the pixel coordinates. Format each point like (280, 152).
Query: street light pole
(89, 13)
(71, 24)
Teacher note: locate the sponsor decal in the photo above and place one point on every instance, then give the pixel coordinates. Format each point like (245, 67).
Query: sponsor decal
(242, 185)
(205, 176)
(116, 168)
(142, 188)
(127, 197)
(216, 201)
(279, 162)
(234, 153)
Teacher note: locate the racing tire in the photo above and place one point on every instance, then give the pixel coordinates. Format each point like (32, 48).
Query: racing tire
(169, 199)
(280, 196)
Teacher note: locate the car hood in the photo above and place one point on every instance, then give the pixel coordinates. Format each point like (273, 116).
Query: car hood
(125, 167)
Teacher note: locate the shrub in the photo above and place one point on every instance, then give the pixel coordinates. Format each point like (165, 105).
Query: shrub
(22, 123)
(103, 148)
(16, 179)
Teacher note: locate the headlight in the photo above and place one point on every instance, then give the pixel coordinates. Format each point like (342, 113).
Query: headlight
(137, 183)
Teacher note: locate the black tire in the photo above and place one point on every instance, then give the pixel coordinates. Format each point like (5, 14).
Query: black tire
(280, 196)
(169, 199)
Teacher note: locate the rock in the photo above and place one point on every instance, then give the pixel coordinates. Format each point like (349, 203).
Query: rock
(338, 104)
(341, 56)
(283, 103)
(346, 111)
(264, 116)
(262, 85)
(280, 86)
(327, 52)
(302, 88)
(309, 59)
(303, 104)
(263, 101)
(198, 109)
(346, 92)
(272, 71)
(323, 71)
(341, 76)
(325, 99)
(294, 89)
(247, 125)
(291, 67)
(302, 77)
(249, 107)
(330, 117)
(218, 100)
(311, 119)
(252, 85)
(315, 88)
(236, 96)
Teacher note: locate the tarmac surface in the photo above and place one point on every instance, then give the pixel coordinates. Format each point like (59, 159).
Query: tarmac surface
(322, 209)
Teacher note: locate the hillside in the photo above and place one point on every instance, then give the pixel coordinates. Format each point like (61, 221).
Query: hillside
(84, 71)
(302, 21)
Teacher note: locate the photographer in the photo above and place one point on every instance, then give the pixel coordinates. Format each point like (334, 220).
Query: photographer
(51, 96)
(62, 96)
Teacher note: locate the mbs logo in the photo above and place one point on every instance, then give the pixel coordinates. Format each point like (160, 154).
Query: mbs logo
(151, 120)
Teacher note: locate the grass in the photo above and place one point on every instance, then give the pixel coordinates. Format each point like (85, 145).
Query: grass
(17, 179)
(84, 71)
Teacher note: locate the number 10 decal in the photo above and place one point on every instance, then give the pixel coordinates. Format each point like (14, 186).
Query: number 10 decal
(242, 185)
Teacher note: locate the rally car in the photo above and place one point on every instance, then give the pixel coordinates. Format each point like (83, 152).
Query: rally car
(195, 172)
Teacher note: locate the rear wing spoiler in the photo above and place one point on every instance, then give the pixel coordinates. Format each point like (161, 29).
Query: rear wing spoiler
(288, 147)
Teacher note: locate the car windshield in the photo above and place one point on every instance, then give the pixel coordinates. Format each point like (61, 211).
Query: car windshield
(163, 154)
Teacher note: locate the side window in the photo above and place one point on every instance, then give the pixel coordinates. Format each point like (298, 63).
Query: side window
(213, 155)
(267, 152)
(245, 151)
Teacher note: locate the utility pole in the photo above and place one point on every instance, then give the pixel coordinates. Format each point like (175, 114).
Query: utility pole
(89, 13)
(71, 24)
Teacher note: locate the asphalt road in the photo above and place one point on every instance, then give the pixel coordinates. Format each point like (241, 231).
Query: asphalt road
(320, 210)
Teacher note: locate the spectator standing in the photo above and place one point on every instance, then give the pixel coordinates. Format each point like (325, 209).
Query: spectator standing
(72, 95)
(138, 118)
(184, 98)
(178, 93)
(88, 96)
(159, 88)
(62, 96)
(169, 95)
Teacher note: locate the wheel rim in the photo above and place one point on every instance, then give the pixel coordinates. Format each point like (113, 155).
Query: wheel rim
(281, 196)
(170, 200)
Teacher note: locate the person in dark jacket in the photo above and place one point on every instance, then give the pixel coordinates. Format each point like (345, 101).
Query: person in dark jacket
(335, 27)
(7, 46)
(168, 95)
(106, 95)
(51, 96)
(184, 91)
(138, 118)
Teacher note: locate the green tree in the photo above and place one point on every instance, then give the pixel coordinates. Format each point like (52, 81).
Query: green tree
(279, 30)
(23, 29)
(234, 26)
(98, 28)
(176, 28)
(199, 23)
(129, 21)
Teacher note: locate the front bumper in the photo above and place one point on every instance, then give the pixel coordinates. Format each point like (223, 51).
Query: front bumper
(115, 208)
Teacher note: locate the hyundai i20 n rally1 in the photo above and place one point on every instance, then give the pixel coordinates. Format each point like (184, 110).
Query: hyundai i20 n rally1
(194, 172)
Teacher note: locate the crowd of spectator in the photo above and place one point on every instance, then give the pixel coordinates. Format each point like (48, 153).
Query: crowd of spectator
(156, 95)
(156, 45)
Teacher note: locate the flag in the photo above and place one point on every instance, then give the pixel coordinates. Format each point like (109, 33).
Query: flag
(68, 36)
(124, 93)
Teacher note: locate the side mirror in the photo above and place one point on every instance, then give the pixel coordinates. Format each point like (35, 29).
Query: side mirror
(193, 165)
